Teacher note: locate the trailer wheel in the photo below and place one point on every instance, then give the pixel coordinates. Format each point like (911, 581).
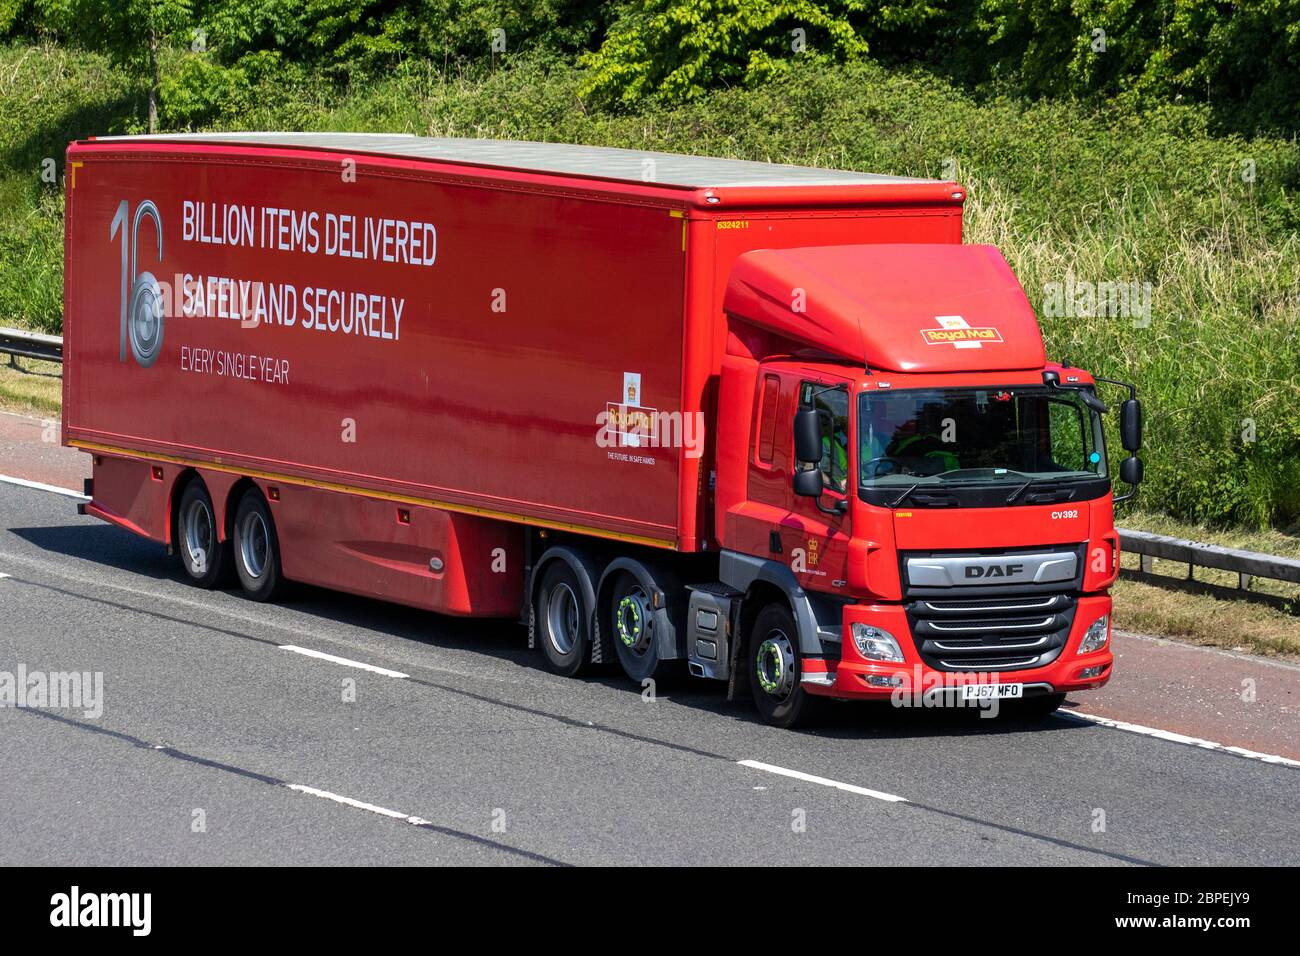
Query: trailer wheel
(256, 547)
(205, 559)
(632, 629)
(772, 657)
(563, 620)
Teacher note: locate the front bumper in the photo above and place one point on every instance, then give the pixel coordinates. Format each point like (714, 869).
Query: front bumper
(854, 678)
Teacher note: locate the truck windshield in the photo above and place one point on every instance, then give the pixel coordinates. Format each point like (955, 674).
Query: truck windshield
(963, 436)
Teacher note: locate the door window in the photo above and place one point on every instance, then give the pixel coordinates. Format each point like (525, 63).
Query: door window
(832, 406)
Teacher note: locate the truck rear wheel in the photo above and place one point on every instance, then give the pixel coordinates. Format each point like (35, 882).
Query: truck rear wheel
(632, 629)
(563, 620)
(205, 559)
(257, 549)
(772, 659)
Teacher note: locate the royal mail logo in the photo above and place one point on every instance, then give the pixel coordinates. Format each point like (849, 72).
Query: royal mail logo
(957, 332)
(630, 422)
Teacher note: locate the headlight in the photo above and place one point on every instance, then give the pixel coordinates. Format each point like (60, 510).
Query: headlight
(876, 644)
(1098, 633)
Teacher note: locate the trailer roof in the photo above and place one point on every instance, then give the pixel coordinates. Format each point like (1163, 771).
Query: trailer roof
(669, 169)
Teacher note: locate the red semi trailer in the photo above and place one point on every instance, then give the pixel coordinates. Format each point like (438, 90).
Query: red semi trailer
(776, 423)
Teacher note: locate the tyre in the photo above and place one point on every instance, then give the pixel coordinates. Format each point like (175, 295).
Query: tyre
(633, 630)
(563, 620)
(205, 559)
(256, 547)
(772, 659)
(1036, 708)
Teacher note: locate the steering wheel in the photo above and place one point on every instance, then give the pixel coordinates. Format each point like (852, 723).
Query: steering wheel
(874, 466)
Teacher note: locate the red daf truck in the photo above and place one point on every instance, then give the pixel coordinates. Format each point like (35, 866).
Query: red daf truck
(774, 423)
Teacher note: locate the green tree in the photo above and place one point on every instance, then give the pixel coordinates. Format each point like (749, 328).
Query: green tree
(14, 16)
(131, 32)
(350, 36)
(253, 46)
(677, 49)
(1241, 57)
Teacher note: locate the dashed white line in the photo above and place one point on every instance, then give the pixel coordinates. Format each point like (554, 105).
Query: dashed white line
(41, 486)
(1169, 735)
(259, 622)
(1155, 732)
(358, 804)
(321, 655)
(823, 781)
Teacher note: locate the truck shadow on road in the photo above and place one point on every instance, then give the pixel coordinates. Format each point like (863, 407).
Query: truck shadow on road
(104, 545)
(506, 642)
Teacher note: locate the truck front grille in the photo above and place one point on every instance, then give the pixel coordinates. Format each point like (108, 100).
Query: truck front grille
(991, 634)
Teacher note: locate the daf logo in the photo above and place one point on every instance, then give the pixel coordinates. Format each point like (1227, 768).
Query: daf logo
(1006, 570)
(994, 570)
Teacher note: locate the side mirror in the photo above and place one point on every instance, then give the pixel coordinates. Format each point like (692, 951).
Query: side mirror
(807, 437)
(1130, 425)
(808, 482)
(1130, 436)
(1130, 470)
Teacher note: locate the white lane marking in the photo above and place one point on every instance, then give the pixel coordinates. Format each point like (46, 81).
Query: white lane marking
(40, 486)
(824, 781)
(1181, 738)
(321, 655)
(1103, 721)
(56, 570)
(258, 622)
(357, 804)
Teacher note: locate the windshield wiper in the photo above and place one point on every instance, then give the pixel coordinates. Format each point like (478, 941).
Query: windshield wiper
(946, 484)
(905, 495)
(939, 482)
(978, 475)
(1019, 491)
(1035, 482)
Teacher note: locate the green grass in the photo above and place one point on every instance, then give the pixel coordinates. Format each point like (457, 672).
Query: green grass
(1230, 623)
(48, 96)
(1093, 194)
(35, 388)
(1284, 542)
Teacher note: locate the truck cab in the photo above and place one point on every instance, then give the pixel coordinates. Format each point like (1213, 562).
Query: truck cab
(934, 494)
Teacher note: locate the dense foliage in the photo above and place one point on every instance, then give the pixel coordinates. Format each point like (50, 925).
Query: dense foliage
(1168, 160)
(679, 50)
(1240, 57)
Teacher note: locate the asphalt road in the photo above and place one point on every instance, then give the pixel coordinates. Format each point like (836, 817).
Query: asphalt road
(478, 756)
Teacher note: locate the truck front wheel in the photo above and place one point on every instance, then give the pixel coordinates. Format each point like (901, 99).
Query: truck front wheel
(257, 549)
(775, 672)
(205, 559)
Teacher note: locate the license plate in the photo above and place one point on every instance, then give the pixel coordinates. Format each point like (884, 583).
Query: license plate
(992, 691)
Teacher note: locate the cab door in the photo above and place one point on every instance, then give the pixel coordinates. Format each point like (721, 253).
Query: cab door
(772, 521)
(815, 532)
